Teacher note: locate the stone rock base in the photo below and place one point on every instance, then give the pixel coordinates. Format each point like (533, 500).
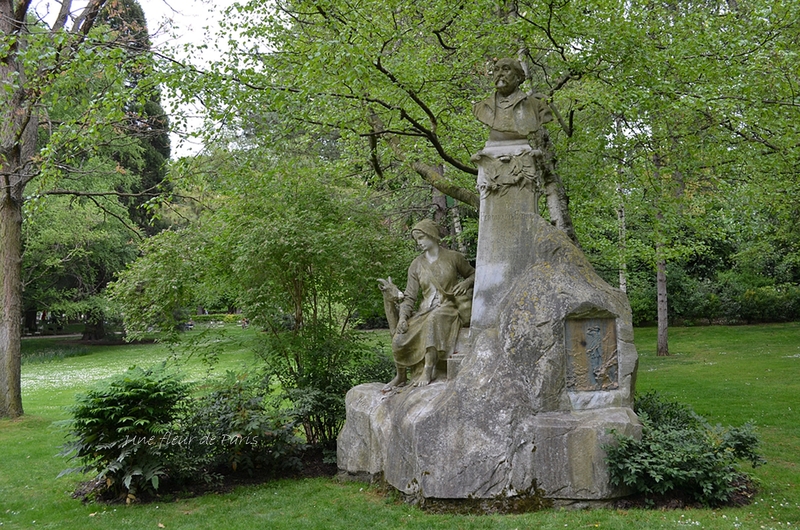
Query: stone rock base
(547, 370)
(556, 455)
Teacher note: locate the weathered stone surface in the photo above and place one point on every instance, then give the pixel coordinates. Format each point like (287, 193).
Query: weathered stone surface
(507, 422)
(569, 459)
(359, 446)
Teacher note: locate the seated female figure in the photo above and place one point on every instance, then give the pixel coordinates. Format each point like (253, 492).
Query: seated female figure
(429, 334)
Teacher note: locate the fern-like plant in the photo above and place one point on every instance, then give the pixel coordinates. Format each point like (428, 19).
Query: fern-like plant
(118, 430)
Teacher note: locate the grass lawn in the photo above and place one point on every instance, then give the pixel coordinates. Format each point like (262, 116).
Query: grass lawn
(730, 375)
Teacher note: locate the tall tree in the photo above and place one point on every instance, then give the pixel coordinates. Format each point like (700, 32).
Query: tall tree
(148, 121)
(45, 68)
(403, 79)
(698, 93)
(71, 251)
(286, 237)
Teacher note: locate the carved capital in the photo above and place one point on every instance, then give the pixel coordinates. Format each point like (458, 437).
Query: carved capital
(506, 165)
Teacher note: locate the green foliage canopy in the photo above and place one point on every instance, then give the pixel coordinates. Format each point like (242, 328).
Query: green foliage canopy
(288, 241)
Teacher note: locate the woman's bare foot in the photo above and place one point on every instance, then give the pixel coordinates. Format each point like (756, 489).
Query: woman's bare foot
(425, 377)
(394, 383)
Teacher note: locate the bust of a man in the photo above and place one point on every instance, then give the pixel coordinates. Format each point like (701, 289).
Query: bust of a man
(510, 113)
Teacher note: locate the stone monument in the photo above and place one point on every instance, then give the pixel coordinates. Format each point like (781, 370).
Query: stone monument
(545, 370)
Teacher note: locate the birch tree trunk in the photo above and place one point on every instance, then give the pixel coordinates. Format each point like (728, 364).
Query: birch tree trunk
(623, 245)
(17, 143)
(662, 348)
(662, 307)
(555, 193)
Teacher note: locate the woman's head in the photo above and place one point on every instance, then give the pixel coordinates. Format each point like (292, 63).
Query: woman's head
(427, 227)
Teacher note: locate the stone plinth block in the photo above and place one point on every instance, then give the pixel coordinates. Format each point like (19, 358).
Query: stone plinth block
(569, 459)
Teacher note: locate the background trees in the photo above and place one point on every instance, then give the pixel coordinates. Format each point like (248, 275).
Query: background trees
(71, 251)
(148, 127)
(661, 107)
(673, 159)
(66, 105)
(297, 247)
(292, 244)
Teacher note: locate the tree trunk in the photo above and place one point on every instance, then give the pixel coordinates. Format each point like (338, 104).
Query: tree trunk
(439, 203)
(458, 229)
(17, 143)
(662, 346)
(623, 227)
(623, 245)
(11, 318)
(678, 186)
(662, 349)
(18, 135)
(94, 329)
(429, 172)
(30, 321)
(556, 194)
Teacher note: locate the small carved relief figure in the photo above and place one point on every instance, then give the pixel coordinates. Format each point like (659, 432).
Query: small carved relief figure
(594, 349)
(440, 280)
(510, 113)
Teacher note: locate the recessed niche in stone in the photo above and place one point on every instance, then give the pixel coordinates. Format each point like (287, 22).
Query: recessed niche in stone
(591, 354)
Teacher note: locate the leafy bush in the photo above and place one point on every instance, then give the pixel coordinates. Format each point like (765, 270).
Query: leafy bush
(667, 414)
(681, 453)
(751, 298)
(771, 303)
(316, 366)
(730, 296)
(143, 427)
(233, 429)
(117, 429)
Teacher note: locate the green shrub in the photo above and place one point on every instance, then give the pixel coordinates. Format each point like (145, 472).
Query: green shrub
(117, 430)
(771, 303)
(316, 366)
(143, 427)
(670, 415)
(751, 298)
(730, 296)
(233, 429)
(679, 452)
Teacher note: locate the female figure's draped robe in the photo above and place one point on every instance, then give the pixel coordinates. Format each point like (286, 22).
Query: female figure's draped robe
(436, 323)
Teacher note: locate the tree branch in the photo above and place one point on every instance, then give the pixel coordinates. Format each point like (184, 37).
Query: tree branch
(21, 12)
(428, 172)
(112, 214)
(430, 134)
(86, 19)
(61, 19)
(144, 193)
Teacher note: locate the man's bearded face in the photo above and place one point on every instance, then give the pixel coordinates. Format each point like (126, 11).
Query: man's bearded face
(506, 78)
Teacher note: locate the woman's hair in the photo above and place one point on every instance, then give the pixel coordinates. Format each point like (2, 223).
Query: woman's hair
(427, 227)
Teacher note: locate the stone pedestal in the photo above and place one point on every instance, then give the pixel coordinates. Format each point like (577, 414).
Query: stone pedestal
(507, 226)
(547, 370)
